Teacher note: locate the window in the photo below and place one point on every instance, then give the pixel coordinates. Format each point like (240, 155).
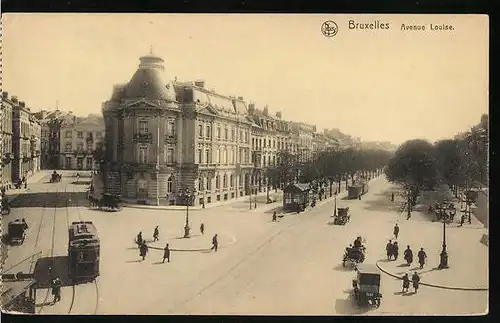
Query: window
(224, 155)
(143, 155)
(68, 134)
(79, 146)
(143, 127)
(171, 129)
(200, 155)
(269, 143)
(241, 135)
(208, 160)
(200, 130)
(231, 181)
(264, 143)
(79, 134)
(230, 155)
(233, 134)
(208, 133)
(169, 159)
(170, 184)
(274, 160)
(224, 181)
(218, 132)
(200, 184)
(68, 146)
(226, 133)
(208, 184)
(217, 182)
(218, 156)
(246, 136)
(274, 143)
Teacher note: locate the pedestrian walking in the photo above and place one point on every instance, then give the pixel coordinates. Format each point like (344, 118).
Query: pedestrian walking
(388, 249)
(395, 250)
(202, 228)
(139, 239)
(421, 257)
(166, 253)
(143, 250)
(462, 220)
(406, 283)
(274, 216)
(359, 197)
(56, 289)
(392, 197)
(215, 243)
(408, 255)
(25, 182)
(156, 234)
(396, 231)
(416, 281)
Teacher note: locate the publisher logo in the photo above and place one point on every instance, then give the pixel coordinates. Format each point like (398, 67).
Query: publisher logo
(329, 28)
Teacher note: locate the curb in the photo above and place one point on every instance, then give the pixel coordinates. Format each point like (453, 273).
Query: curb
(194, 250)
(434, 285)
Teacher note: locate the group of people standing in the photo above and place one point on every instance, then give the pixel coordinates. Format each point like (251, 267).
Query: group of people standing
(143, 247)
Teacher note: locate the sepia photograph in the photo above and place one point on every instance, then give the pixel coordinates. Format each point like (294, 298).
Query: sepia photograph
(244, 164)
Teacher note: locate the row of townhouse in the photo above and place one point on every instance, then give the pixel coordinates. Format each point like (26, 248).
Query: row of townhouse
(20, 141)
(178, 142)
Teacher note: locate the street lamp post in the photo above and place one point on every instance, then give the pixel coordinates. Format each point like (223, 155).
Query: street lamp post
(187, 196)
(335, 203)
(443, 261)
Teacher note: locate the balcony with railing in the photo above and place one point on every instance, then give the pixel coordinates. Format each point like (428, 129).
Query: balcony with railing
(143, 138)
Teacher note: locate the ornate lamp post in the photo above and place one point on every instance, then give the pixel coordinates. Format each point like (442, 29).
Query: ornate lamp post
(443, 261)
(187, 196)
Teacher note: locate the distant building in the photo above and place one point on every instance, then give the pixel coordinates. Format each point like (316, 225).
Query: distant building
(6, 134)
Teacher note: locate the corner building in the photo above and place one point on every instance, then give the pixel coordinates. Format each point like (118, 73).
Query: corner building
(162, 138)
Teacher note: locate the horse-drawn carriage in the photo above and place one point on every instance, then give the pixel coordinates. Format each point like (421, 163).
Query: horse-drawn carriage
(55, 177)
(354, 255)
(367, 285)
(343, 216)
(16, 232)
(108, 202)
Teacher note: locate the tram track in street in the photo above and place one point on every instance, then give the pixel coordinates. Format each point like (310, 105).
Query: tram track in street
(51, 252)
(78, 289)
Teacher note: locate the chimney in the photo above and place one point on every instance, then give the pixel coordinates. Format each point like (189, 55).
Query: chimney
(278, 115)
(266, 111)
(240, 98)
(22, 104)
(199, 83)
(5, 95)
(14, 99)
(251, 108)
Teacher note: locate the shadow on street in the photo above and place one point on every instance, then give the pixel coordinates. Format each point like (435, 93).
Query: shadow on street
(59, 269)
(50, 199)
(349, 307)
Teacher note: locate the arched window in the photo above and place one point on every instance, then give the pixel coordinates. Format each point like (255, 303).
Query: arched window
(170, 182)
(224, 181)
(231, 181)
(217, 182)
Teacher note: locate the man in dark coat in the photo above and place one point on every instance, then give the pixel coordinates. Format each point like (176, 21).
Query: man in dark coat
(215, 243)
(156, 233)
(166, 253)
(396, 231)
(143, 250)
(408, 255)
(395, 250)
(462, 220)
(25, 182)
(392, 197)
(274, 216)
(202, 228)
(56, 289)
(388, 249)
(421, 257)
(416, 281)
(406, 283)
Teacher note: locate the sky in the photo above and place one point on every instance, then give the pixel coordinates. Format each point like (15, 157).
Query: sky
(377, 84)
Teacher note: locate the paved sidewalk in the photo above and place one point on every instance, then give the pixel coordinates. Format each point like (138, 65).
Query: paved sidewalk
(12, 194)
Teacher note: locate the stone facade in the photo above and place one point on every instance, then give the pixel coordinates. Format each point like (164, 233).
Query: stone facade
(164, 137)
(6, 135)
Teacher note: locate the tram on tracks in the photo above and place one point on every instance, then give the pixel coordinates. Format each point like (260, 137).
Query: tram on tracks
(83, 251)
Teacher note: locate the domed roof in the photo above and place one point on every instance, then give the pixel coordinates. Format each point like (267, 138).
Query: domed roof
(149, 82)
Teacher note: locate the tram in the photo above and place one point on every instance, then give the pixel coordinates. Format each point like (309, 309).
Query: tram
(83, 251)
